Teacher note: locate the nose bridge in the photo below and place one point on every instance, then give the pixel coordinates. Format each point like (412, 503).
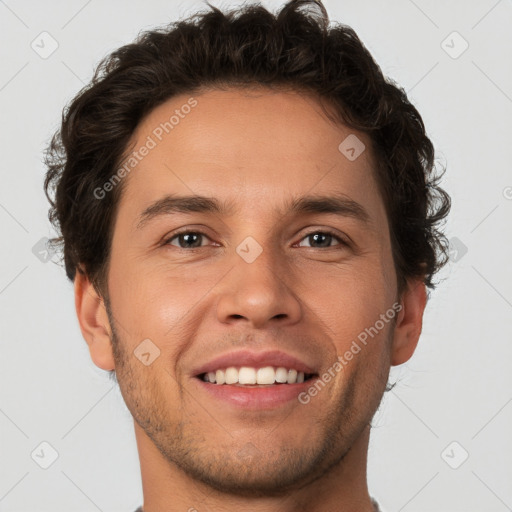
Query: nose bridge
(257, 289)
(265, 272)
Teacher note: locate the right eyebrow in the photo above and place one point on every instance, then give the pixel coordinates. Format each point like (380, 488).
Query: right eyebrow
(183, 204)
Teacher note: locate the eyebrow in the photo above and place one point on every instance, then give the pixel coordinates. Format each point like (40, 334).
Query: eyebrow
(338, 204)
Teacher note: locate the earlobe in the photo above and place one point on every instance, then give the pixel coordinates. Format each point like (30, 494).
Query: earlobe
(409, 322)
(94, 323)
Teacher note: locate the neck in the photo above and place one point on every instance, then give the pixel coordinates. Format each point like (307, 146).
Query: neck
(167, 488)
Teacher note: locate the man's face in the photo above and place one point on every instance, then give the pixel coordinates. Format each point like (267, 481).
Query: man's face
(320, 280)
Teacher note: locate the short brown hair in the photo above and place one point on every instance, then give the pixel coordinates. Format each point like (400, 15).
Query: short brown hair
(296, 48)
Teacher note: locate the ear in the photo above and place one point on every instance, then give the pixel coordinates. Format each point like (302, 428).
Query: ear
(93, 320)
(409, 322)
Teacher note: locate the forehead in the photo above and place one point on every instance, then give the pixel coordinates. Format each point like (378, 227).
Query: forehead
(247, 145)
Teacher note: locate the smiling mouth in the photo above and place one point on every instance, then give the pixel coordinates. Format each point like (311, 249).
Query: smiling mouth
(255, 377)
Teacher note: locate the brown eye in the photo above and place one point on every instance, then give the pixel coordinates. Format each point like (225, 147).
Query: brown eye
(187, 240)
(322, 239)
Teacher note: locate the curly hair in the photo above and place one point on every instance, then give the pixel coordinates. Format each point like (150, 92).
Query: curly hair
(297, 48)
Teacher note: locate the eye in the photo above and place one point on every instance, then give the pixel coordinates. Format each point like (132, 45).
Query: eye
(194, 240)
(187, 239)
(322, 239)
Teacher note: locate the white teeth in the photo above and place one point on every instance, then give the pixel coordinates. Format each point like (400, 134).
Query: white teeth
(248, 376)
(231, 375)
(281, 375)
(292, 377)
(266, 375)
(220, 377)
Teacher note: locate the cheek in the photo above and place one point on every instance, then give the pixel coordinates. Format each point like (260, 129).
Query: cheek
(157, 301)
(350, 304)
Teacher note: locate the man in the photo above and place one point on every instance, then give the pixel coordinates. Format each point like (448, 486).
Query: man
(249, 214)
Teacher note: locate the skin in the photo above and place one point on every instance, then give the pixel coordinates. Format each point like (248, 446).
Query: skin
(257, 149)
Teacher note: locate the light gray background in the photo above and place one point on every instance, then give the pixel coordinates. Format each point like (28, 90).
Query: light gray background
(457, 387)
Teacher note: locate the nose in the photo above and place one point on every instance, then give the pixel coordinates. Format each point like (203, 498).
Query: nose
(259, 293)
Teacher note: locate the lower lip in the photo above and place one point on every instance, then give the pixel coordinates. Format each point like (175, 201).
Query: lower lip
(261, 397)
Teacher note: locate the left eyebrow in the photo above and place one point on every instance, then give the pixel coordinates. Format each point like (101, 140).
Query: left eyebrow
(336, 204)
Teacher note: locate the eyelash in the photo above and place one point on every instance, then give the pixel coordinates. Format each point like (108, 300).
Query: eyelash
(340, 240)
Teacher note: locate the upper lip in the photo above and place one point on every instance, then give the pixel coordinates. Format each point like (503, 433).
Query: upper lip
(253, 359)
